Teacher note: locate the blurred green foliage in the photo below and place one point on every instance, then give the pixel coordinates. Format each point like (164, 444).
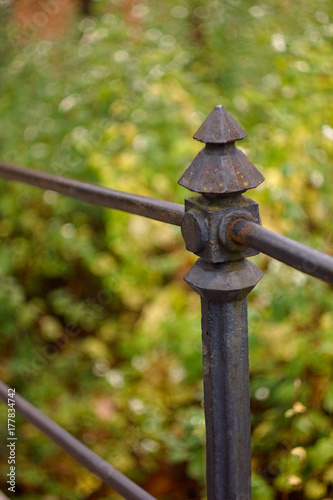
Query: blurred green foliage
(97, 327)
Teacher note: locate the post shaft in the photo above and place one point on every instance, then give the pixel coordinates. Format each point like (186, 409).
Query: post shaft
(227, 408)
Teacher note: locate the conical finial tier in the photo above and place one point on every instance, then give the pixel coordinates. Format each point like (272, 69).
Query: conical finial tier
(219, 128)
(220, 169)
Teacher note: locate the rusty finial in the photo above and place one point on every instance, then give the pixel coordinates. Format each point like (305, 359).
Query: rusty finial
(220, 169)
(223, 277)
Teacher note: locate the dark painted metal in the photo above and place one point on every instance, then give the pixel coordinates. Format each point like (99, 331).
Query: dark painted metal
(227, 282)
(220, 169)
(226, 386)
(284, 249)
(223, 288)
(205, 224)
(108, 474)
(220, 127)
(160, 210)
(223, 278)
(222, 227)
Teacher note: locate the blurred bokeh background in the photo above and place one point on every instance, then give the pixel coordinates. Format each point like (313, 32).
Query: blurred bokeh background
(98, 328)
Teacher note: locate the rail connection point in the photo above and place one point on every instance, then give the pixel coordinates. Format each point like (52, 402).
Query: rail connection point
(220, 173)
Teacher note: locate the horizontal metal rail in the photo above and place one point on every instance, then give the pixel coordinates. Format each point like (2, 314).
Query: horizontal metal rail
(164, 211)
(292, 253)
(108, 474)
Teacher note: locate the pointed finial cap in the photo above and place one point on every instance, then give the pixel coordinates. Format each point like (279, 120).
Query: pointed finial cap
(220, 169)
(219, 128)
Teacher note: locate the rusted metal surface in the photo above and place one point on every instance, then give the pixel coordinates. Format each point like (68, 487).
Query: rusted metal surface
(164, 211)
(292, 253)
(227, 282)
(222, 227)
(220, 127)
(228, 172)
(108, 474)
(220, 169)
(223, 288)
(205, 222)
(223, 279)
(227, 399)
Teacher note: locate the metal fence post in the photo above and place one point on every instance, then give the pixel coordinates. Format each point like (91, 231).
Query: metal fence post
(223, 278)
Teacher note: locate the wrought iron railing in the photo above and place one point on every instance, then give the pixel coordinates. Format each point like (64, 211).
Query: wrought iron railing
(222, 227)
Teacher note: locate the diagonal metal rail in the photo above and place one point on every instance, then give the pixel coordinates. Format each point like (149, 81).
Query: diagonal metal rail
(108, 474)
(164, 211)
(284, 249)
